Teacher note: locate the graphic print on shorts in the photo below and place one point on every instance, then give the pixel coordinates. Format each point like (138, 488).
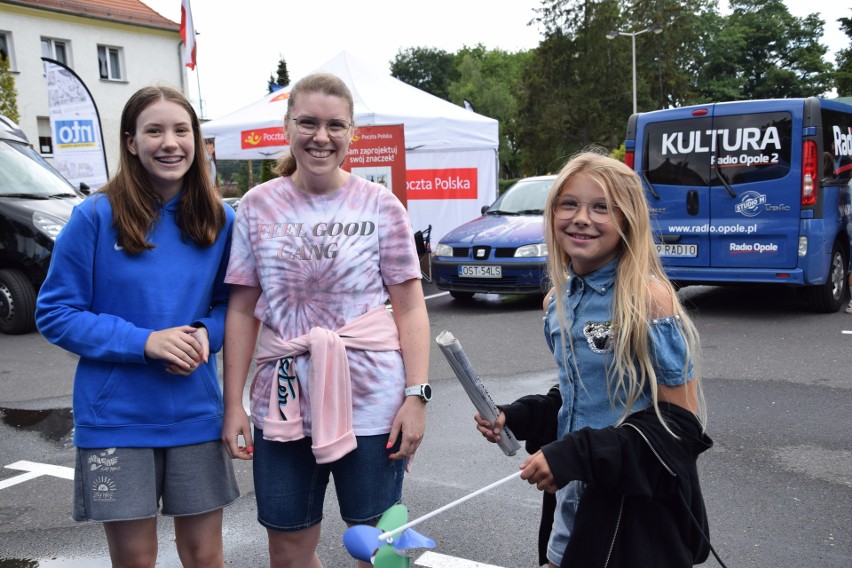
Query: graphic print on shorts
(103, 487)
(286, 385)
(599, 336)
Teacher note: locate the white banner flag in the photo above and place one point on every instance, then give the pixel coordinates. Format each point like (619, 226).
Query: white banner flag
(78, 147)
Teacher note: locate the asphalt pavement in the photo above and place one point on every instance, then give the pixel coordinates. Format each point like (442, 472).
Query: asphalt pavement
(777, 483)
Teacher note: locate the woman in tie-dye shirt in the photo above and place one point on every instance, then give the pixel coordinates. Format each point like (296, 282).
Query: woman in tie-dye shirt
(320, 248)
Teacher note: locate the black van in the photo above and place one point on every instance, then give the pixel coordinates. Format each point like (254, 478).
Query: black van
(35, 203)
(751, 192)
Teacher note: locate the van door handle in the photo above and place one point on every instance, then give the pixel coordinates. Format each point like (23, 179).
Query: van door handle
(692, 202)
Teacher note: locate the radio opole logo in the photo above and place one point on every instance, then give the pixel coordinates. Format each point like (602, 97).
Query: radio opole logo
(75, 134)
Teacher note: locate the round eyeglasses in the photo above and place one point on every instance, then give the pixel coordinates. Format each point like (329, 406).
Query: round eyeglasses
(599, 211)
(310, 125)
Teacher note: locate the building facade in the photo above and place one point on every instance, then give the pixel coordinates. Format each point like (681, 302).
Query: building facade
(115, 46)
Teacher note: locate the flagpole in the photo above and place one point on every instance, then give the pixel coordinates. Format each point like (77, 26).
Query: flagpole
(200, 100)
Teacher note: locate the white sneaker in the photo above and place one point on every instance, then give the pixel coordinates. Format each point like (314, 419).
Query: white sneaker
(849, 308)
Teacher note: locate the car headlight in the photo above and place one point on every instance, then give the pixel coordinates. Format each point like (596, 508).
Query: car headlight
(48, 224)
(443, 250)
(531, 251)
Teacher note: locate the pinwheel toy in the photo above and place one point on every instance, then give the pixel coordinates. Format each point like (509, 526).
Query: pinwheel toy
(378, 546)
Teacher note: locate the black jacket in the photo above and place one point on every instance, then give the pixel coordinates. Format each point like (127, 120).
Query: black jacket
(642, 506)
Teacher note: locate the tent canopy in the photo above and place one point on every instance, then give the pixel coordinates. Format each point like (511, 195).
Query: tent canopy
(430, 123)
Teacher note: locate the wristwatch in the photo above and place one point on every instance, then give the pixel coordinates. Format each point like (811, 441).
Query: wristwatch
(424, 391)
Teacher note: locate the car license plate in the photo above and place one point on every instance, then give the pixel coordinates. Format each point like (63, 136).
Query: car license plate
(677, 251)
(468, 271)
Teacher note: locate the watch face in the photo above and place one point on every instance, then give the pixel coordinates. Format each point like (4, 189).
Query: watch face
(427, 391)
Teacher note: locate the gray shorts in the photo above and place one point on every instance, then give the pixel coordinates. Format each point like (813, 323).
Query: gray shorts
(124, 484)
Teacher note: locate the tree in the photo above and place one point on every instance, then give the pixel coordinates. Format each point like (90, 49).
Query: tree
(429, 69)
(283, 78)
(8, 93)
(574, 92)
(843, 75)
(762, 51)
(489, 80)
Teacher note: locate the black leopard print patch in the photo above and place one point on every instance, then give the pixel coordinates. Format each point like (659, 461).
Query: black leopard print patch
(599, 336)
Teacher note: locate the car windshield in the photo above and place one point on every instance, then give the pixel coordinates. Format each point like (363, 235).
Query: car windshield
(24, 173)
(527, 197)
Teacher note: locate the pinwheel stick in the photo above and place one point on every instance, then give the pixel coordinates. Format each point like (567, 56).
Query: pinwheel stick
(385, 536)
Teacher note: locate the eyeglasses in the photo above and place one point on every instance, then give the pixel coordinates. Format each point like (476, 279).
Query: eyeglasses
(310, 125)
(599, 211)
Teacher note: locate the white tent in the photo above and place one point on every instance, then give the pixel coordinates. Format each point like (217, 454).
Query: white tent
(438, 136)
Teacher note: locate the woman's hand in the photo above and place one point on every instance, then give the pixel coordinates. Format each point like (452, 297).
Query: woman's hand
(234, 425)
(489, 430)
(410, 421)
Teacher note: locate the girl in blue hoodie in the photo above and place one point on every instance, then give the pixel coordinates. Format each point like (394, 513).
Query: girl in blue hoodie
(136, 289)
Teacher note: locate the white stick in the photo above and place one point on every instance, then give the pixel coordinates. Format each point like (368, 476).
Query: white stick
(387, 535)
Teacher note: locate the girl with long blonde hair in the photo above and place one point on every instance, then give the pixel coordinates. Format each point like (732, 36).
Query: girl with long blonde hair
(629, 407)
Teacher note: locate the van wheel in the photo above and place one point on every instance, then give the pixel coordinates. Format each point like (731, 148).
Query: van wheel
(828, 297)
(462, 296)
(17, 303)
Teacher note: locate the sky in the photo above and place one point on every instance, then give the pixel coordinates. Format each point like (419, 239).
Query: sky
(240, 43)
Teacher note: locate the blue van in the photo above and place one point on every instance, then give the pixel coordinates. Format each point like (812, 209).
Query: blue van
(750, 192)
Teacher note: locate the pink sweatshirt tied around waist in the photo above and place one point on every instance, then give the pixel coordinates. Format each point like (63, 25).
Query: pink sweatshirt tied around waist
(329, 381)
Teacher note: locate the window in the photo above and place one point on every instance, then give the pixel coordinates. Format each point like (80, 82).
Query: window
(45, 140)
(6, 49)
(109, 62)
(56, 49)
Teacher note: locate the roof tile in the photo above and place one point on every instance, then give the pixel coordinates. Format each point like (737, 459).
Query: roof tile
(131, 12)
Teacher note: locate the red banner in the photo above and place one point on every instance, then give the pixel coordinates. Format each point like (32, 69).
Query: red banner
(263, 138)
(450, 183)
(377, 153)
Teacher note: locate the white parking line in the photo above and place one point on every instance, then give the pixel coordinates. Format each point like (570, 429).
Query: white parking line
(438, 295)
(846, 332)
(435, 560)
(35, 470)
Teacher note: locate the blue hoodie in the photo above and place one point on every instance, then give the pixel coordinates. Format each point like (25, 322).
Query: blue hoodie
(102, 304)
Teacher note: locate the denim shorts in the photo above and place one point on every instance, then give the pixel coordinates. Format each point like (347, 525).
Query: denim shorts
(125, 484)
(290, 486)
(567, 500)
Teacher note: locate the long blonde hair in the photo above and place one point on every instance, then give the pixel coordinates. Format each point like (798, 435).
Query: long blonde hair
(632, 369)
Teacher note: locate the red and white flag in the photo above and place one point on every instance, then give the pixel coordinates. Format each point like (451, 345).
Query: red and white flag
(187, 34)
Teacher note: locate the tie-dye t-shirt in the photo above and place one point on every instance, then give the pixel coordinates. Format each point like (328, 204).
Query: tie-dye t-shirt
(323, 260)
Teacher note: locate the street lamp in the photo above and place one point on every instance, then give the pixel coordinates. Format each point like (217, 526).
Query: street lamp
(656, 28)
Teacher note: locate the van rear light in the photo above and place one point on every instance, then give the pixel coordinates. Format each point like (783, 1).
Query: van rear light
(809, 172)
(630, 158)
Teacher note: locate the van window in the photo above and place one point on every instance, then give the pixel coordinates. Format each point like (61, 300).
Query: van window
(742, 148)
(836, 146)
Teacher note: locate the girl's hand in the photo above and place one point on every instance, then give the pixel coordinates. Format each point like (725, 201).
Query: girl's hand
(234, 425)
(178, 347)
(489, 430)
(536, 471)
(411, 421)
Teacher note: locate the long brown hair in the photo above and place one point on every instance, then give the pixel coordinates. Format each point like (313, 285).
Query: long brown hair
(325, 83)
(135, 204)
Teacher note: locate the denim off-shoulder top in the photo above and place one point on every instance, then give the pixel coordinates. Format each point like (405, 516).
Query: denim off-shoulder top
(582, 371)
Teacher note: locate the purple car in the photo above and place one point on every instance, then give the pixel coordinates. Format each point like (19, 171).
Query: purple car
(502, 252)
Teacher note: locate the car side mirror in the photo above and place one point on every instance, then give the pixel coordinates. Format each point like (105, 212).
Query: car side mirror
(484, 209)
(85, 189)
